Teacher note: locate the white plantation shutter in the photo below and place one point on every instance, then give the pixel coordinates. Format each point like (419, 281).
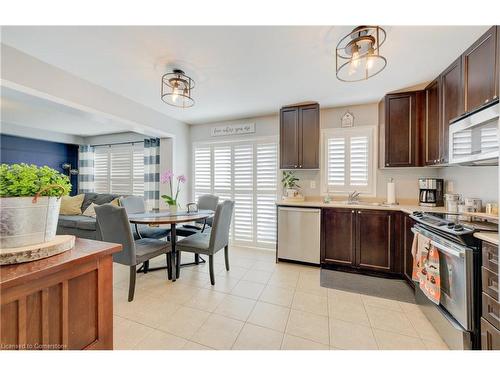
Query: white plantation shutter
(222, 168)
(349, 161)
(119, 169)
(246, 172)
(267, 185)
(101, 170)
(359, 163)
(243, 196)
(336, 161)
(203, 169)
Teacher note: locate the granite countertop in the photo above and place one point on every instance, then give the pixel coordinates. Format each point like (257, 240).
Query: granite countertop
(491, 237)
(407, 206)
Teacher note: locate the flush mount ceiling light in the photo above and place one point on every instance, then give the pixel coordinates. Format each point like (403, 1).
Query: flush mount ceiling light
(176, 89)
(357, 56)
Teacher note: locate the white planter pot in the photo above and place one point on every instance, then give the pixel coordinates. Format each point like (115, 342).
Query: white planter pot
(173, 208)
(24, 223)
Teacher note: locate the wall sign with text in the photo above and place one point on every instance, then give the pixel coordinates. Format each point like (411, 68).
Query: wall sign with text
(219, 131)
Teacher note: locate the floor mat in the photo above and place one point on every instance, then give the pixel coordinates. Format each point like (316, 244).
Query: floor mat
(397, 290)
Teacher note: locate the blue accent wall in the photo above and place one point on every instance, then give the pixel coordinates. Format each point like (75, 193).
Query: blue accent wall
(34, 151)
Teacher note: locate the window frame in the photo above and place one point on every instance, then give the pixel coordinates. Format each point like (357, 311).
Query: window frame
(255, 141)
(367, 130)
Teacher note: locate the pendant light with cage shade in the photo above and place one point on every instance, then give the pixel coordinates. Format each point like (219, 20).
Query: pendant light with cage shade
(176, 89)
(357, 55)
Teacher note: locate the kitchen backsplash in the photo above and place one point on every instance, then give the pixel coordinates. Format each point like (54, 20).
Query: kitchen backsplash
(471, 182)
(406, 181)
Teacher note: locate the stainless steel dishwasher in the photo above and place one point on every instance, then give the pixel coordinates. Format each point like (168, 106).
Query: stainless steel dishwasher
(299, 234)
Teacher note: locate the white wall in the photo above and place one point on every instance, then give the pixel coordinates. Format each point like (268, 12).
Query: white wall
(27, 74)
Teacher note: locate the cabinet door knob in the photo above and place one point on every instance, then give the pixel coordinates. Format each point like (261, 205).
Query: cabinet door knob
(352, 211)
(359, 212)
(487, 100)
(295, 166)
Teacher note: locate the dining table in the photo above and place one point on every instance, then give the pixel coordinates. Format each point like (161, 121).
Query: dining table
(162, 217)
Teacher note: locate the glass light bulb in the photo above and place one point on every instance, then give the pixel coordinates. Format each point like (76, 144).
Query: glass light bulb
(355, 59)
(370, 60)
(175, 94)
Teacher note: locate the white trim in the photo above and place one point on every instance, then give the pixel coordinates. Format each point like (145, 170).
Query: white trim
(371, 191)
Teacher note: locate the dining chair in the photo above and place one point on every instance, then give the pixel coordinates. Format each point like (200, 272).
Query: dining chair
(210, 242)
(135, 205)
(114, 227)
(205, 202)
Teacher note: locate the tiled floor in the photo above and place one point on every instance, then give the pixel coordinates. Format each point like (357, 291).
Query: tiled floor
(259, 304)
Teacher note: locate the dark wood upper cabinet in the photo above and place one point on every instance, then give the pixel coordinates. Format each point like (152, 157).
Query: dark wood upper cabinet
(289, 138)
(299, 137)
(337, 232)
(481, 70)
(452, 101)
(432, 125)
(374, 240)
(398, 129)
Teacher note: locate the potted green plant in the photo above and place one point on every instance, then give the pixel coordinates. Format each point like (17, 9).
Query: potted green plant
(167, 178)
(289, 182)
(29, 203)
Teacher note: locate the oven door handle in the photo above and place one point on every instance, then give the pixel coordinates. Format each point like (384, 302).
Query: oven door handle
(447, 250)
(444, 249)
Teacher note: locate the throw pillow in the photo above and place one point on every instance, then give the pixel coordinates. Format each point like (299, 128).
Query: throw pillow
(90, 211)
(71, 205)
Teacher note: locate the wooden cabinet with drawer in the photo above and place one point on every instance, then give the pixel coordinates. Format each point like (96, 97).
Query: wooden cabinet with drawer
(490, 316)
(490, 336)
(490, 282)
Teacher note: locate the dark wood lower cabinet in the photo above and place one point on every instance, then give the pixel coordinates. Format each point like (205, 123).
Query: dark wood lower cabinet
(375, 240)
(337, 231)
(363, 240)
(407, 242)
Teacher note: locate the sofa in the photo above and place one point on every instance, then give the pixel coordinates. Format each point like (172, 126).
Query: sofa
(85, 226)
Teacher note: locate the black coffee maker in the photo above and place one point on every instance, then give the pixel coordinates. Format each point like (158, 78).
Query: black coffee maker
(431, 192)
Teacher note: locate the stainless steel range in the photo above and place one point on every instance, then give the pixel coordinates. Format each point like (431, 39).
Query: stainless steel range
(457, 316)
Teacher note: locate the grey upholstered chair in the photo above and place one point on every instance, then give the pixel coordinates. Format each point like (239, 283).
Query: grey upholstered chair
(114, 227)
(205, 202)
(136, 205)
(212, 241)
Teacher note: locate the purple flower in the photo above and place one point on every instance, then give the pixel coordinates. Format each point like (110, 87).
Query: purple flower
(166, 177)
(182, 178)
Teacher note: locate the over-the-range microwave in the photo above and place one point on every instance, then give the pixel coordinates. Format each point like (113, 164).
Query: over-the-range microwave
(473, 138)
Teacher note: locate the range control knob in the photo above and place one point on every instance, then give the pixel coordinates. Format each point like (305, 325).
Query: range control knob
(458, 227)
(450, 225)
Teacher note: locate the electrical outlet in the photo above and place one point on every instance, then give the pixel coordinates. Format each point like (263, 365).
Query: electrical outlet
(312, 184)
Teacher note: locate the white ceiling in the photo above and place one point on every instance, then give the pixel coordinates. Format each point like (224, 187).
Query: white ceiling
(240, 71)
(26, 110)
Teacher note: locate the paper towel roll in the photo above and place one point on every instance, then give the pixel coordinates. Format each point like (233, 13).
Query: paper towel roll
(391, 192)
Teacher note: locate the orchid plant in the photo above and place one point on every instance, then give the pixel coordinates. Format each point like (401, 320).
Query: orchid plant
(167, 177)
